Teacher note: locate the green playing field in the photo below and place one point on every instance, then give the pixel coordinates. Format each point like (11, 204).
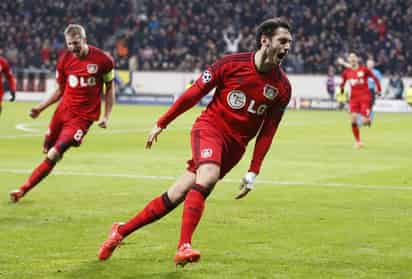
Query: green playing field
(320, 208)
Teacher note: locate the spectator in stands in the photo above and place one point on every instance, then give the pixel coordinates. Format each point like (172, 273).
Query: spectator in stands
(395, 87)
(330, 83)
(182, 36)
(232, 40)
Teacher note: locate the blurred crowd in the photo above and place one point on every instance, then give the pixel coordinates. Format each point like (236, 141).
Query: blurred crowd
(180, 35)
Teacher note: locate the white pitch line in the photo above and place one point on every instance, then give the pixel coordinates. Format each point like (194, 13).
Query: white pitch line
(226, 180)
(36, 132)
(20, 136)
(23, 127)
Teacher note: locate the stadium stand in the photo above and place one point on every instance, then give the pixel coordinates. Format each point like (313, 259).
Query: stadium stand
(164, 35)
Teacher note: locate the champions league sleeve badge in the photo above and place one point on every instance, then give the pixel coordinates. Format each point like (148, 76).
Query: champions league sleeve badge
(206, 76)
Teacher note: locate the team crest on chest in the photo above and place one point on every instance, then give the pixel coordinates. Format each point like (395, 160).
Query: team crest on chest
(270, 92)
(360, 74)
(236, 99)
(92, 68)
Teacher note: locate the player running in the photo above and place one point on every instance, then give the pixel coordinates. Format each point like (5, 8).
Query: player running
(252, 92)
(370, 63)
(360, 99)
(81, 73)
(5, 70)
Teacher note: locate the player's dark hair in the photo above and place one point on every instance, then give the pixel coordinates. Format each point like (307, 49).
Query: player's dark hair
(269, 28)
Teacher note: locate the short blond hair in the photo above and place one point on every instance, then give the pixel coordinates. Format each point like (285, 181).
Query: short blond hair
(75, 29)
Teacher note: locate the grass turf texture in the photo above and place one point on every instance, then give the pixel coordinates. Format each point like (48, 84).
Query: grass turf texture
(322, 209)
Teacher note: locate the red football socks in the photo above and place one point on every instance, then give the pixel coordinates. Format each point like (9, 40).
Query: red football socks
(192, 212)
(38, 174)
(153, 211)
(355, 131)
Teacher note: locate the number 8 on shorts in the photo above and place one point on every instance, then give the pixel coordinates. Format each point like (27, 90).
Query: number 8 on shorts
(78, 135)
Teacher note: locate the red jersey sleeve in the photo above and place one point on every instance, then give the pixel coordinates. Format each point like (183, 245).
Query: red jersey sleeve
(202, 86)
(267, 132)
(60, 74)
(9, 76)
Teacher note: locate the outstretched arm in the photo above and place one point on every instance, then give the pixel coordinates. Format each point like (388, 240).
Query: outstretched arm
(35, 111)
(186, 101)
(203, 85)
(11, 80)
(342, 62)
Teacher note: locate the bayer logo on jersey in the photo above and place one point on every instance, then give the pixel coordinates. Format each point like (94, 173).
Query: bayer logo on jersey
(206, 153)
(236, 99)
(92, 68)
(270, 92)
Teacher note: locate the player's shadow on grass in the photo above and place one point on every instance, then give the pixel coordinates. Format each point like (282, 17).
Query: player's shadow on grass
(126, 269)
(22, 203)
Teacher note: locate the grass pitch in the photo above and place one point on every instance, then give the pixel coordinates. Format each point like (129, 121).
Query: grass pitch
(320, 209)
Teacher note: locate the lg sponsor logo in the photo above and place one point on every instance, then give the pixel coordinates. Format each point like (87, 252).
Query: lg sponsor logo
(75, 81)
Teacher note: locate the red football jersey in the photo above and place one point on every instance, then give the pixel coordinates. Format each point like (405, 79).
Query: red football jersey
(246, 103)
(6, 71)
(243, 99)
(82, 81)
(358, 79)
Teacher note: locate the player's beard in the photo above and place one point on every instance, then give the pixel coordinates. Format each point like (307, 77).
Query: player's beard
(277, 58)
(272, 59)
(77, 51)
(282, 55)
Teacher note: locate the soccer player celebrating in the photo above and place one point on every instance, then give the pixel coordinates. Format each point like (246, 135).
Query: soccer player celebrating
(6, 71)
(252, 92)
(81, 73)
(360, 99)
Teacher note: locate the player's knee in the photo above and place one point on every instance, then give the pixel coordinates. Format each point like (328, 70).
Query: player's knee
(354, 120)
(169, 202)
(366, 120)
(54, 155)
(208, 174)
(56, 152)
(177, 192)
(176, 195)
